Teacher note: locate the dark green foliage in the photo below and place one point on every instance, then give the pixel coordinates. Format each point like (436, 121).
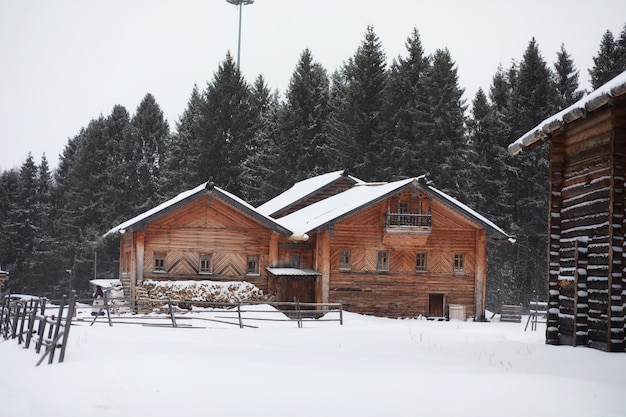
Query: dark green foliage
(566, 80)
(611, 59)
(405, 111)
(444, 148)
(356, 128)
(225, 126)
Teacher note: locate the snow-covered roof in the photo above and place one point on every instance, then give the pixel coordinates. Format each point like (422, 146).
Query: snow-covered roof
(598, 98)
(336, 208)
(105, 282)
(188, 195)
(302, 190)
(293, 272)
(472, 213)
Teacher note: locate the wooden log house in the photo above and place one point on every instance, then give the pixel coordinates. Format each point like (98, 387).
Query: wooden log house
(587, 280)
(399, 249)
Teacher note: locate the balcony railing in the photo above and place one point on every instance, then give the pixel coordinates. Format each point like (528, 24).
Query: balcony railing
(408, 220)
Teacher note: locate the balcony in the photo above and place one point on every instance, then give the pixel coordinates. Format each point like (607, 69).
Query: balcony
(408, 223)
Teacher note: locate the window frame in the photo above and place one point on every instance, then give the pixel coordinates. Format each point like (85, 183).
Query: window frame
(458, 265)
(382, 261)
(253, 260)
(159, 262)
(421, 262)
(205, 257)
(345, 260)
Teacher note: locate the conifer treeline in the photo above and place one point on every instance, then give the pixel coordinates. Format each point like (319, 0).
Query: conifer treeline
(379, 121)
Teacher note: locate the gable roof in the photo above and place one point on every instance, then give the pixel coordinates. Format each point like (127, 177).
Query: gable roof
(301, 190)
(203, 190)
(331, 210)
(598, 98)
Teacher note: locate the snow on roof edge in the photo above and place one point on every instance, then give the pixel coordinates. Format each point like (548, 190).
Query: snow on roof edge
(181, 197)
(301, 190)
(613, 88)
(473, 213)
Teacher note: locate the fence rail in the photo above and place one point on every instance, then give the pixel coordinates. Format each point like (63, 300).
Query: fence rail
(26, 319)
(230, 313)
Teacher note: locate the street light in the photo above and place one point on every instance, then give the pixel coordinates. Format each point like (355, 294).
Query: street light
(239, 3)
(69, 271)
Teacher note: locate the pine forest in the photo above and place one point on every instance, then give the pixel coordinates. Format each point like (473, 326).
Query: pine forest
(380, 118)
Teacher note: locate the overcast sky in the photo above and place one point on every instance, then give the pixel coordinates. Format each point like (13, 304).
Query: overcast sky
(65, 62)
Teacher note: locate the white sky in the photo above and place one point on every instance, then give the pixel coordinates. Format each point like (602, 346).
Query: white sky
(65, 62)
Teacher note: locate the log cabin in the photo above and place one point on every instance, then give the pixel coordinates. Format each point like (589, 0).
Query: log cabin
(399, 249)
(586, 275)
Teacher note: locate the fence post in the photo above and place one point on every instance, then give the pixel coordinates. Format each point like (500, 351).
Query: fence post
(106, 305)
(298, 313)
(52, 347)
(68, 323)
(239, 314)
(169, 303)
(341, 313)
(31, 323)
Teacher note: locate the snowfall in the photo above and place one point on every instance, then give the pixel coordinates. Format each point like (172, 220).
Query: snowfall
(369, 366)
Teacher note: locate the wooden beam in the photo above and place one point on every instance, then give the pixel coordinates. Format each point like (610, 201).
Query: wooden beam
(480, 273)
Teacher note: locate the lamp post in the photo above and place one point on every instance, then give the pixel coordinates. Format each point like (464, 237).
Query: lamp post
(239, 3)
(69, 271)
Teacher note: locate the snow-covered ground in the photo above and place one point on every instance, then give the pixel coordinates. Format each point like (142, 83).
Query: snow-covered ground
(367, 367)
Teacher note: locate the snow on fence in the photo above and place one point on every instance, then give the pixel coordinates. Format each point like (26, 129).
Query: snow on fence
(25, 318)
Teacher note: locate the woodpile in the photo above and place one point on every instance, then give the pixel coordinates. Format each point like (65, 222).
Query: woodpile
(200, 291)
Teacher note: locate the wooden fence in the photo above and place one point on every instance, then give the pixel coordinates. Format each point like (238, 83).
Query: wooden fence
(229, 313)
(28, 320)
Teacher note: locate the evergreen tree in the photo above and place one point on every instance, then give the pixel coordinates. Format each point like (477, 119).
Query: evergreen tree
(445, 149)
(183, 155)
(224, 128)
(301, 137)
(566, 80)
(533, 100)
(261, 171)
(356, 128)
(610, 60)
(405, 111)
(150, 134)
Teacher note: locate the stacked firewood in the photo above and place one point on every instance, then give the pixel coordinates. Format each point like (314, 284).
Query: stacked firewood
(195, 293)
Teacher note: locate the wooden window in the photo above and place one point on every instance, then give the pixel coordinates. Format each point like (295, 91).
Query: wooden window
(253, 264)
(383, 261)
(420, 262)
(459, 262)
(159, 262)
(295, 261)
(205, 264)
(344, 260)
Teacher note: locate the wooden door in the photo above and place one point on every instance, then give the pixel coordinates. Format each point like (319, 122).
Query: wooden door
(435, 305)
(301, 289)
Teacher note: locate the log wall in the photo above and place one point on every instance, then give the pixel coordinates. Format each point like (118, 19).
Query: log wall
(586, 242)
(207, 228)
(402, 291)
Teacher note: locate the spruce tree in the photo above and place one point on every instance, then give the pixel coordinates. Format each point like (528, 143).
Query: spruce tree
(405, 111)
(262, 175)
(150, 137)
(224, 128)
(445, 149)
(183, 154)
(300, 137)
(356, 128)
(533, 100)
(566, 80)
(610, 60)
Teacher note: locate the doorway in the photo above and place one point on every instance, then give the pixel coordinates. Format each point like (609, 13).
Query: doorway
(436, 305)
